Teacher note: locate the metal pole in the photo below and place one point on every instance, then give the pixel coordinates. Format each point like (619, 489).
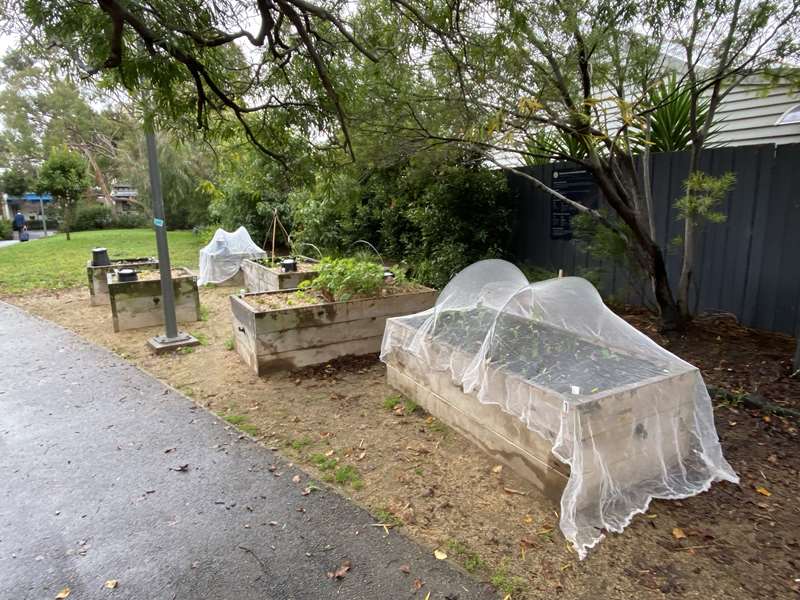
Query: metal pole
(44, 219)
(167, 293)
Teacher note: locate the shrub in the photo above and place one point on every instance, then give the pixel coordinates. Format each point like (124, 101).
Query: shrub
(91, 217)
(5, 229)
(438, 212)
(130, 220)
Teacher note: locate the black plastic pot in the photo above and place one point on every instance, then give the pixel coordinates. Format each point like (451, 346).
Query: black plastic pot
(127, 275)
(289, 265)
(100, 257)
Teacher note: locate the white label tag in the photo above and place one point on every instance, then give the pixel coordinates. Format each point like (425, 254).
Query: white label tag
(576, 390)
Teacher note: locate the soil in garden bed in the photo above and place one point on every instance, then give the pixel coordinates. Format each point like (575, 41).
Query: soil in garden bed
(303, 265)
(152, 275)
(309, 297)
(541, 354)
(344, 425)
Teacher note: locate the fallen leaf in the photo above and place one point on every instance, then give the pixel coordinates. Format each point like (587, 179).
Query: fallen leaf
(763, 491)
(111, 584)
(296, 479)
(678, 533)
(773, 458)
(330, 452)
(766, 418)
(528, 519)
(527, 542)
(418, 583)
(513, 491)
(497, 468)
(440, 554)
(62, 594)
(361, 455)
(341, 571)
(405, 568)
(180, 468)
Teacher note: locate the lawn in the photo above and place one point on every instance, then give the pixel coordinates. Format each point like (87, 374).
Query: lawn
(55, 263)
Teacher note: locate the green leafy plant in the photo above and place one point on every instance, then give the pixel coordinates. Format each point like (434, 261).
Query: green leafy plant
(324, 463)
(704, 192)
(343, 278)
(5, 229)
(229, 344)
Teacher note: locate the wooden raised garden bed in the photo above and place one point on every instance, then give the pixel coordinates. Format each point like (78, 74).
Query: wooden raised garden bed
(271, 334)
(136, 304)
(626, 412)
(98, 275)
(263, 276)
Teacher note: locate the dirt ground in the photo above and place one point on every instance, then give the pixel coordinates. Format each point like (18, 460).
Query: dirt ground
(343, 424)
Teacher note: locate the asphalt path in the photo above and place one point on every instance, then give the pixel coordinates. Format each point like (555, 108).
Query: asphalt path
(108, 475)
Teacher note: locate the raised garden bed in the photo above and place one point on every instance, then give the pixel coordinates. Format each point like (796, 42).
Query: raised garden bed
(98, 276)
(616, 397)
(291, 329)
(136, 304)
(549, 381)
(266, 275)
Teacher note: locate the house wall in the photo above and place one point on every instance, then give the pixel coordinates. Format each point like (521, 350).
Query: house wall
(747, 116)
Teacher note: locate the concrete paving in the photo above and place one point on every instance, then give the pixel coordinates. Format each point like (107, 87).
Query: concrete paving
(107, 474)
(33, 235)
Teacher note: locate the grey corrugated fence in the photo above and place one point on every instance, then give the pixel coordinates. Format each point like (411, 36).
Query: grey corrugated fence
(748, 266)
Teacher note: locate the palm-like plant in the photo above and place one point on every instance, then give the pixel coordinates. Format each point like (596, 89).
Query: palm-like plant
(669, 109)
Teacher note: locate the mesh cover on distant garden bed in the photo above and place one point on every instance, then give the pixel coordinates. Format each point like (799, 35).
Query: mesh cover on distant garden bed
(222, 258)
(554, 356)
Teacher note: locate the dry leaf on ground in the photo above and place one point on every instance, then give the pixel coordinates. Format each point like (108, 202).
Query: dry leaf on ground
(678, 533)
(341, 571)
(62, 594)
(405, 568)
(440, 554)
(111, 584)
(763, 491)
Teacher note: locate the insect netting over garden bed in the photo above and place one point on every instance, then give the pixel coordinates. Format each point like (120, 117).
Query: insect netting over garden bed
(632, 421)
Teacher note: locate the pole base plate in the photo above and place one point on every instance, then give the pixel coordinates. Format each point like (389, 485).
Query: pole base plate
(161, 343)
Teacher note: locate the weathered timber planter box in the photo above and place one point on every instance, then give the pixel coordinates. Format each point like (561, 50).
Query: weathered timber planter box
(259, 277)
(505, 437)
(136, 304)
(288, 338)
(98, 276)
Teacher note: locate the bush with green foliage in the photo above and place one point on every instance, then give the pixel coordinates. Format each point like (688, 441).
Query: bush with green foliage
(98, 216)
(91, 216)
(438, 212)
(6, 231)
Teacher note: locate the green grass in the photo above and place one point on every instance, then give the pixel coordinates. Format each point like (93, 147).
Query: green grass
(469, 559)
(299, 443)
(390, 402)
(229, 345)
(348, 475)
(323, 462)
(55, 263)
(383, 515)
(240, 421)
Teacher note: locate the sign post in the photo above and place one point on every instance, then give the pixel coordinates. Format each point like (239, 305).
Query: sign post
(173, 339)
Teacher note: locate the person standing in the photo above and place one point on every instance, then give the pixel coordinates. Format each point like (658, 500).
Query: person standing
(19, 224)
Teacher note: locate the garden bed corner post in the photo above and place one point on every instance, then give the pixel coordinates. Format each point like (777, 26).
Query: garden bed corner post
(173, 339)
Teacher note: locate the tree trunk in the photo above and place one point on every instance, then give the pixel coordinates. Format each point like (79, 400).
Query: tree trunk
(687, 268)
(645, 248)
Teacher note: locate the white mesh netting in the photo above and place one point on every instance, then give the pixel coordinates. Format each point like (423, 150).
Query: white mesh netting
(633, 421)
(222, 258)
